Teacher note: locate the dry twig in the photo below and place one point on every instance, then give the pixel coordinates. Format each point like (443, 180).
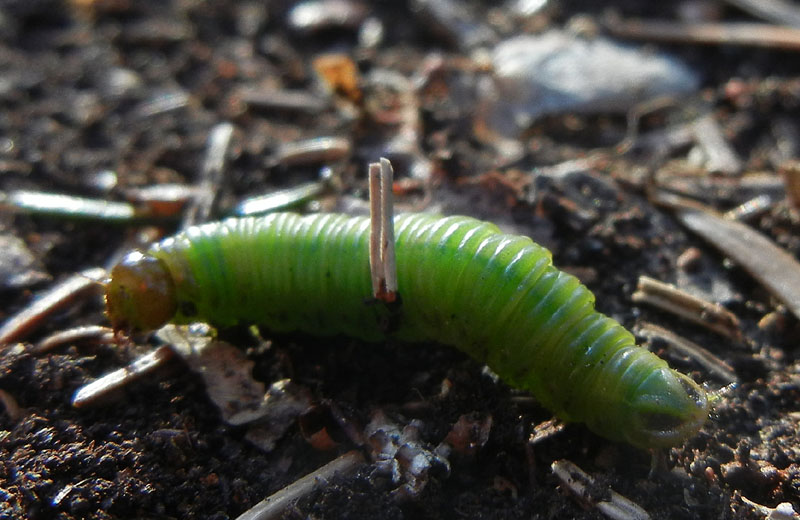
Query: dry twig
(610, 503)
(277, 504)
(705, 358)
(382, 263)
(53, 299)
(712, 316)
(747, 34)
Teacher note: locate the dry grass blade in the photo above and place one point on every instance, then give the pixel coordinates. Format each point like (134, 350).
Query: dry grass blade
(609, 502)
(776, 11)
(67, 206)
(288, 100)
(772, 266)
(99, 389)
(705, 358)
(277, 504)
(750, 209)
(281, 200)
(712, 316)
(382, 263)
(94, 333)
(746, 34)
(26, 321)
(313, 151)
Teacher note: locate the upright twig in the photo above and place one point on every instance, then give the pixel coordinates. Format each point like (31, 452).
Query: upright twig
(382, 260)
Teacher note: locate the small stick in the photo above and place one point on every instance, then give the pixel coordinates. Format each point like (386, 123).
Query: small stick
(750, 209)
(705, 358)
(59, 205)
(781, 12)
(22, 324)
(790, 170)
(545, 430)
(285, 100)
(278, 503)
(387, 227)
(712, 316)
(95, 333)
(313, 151)
(609, 502)
(744, 34)
(281, 200)
(147, 364)
(382, 260)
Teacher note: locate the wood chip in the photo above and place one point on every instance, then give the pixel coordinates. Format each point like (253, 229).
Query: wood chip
(546, 430)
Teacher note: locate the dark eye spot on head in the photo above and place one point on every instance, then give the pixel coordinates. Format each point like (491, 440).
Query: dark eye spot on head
(657, 421)
(187, 308)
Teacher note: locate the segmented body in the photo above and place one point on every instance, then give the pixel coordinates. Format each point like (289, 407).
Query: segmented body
(464, 283)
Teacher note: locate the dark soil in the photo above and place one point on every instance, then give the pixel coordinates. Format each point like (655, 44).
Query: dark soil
(80, 87)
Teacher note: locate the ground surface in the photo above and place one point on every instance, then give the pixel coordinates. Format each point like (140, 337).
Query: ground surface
(135, 88)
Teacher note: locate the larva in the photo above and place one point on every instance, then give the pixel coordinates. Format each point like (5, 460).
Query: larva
(495, 296)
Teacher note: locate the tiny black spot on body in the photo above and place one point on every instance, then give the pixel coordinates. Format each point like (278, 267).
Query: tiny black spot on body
(187, 308)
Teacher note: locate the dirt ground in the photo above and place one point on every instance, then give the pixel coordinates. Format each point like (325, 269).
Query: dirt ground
(102, 97)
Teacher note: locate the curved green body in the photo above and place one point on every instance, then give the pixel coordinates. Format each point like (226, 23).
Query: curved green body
(464, 283)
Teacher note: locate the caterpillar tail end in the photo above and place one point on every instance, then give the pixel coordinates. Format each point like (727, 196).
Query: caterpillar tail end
(140, 295)
(669, 408)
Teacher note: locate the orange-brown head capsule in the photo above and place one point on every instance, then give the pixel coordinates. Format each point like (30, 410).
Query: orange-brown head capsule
(141, 294)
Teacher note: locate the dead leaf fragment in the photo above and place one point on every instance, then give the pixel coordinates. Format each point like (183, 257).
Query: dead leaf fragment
(771, 265)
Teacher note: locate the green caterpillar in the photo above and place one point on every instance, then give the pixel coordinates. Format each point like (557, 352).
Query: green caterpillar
(463, 282)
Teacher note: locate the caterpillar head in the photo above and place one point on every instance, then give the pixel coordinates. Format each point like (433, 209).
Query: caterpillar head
(666, 409)
(140, 294)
